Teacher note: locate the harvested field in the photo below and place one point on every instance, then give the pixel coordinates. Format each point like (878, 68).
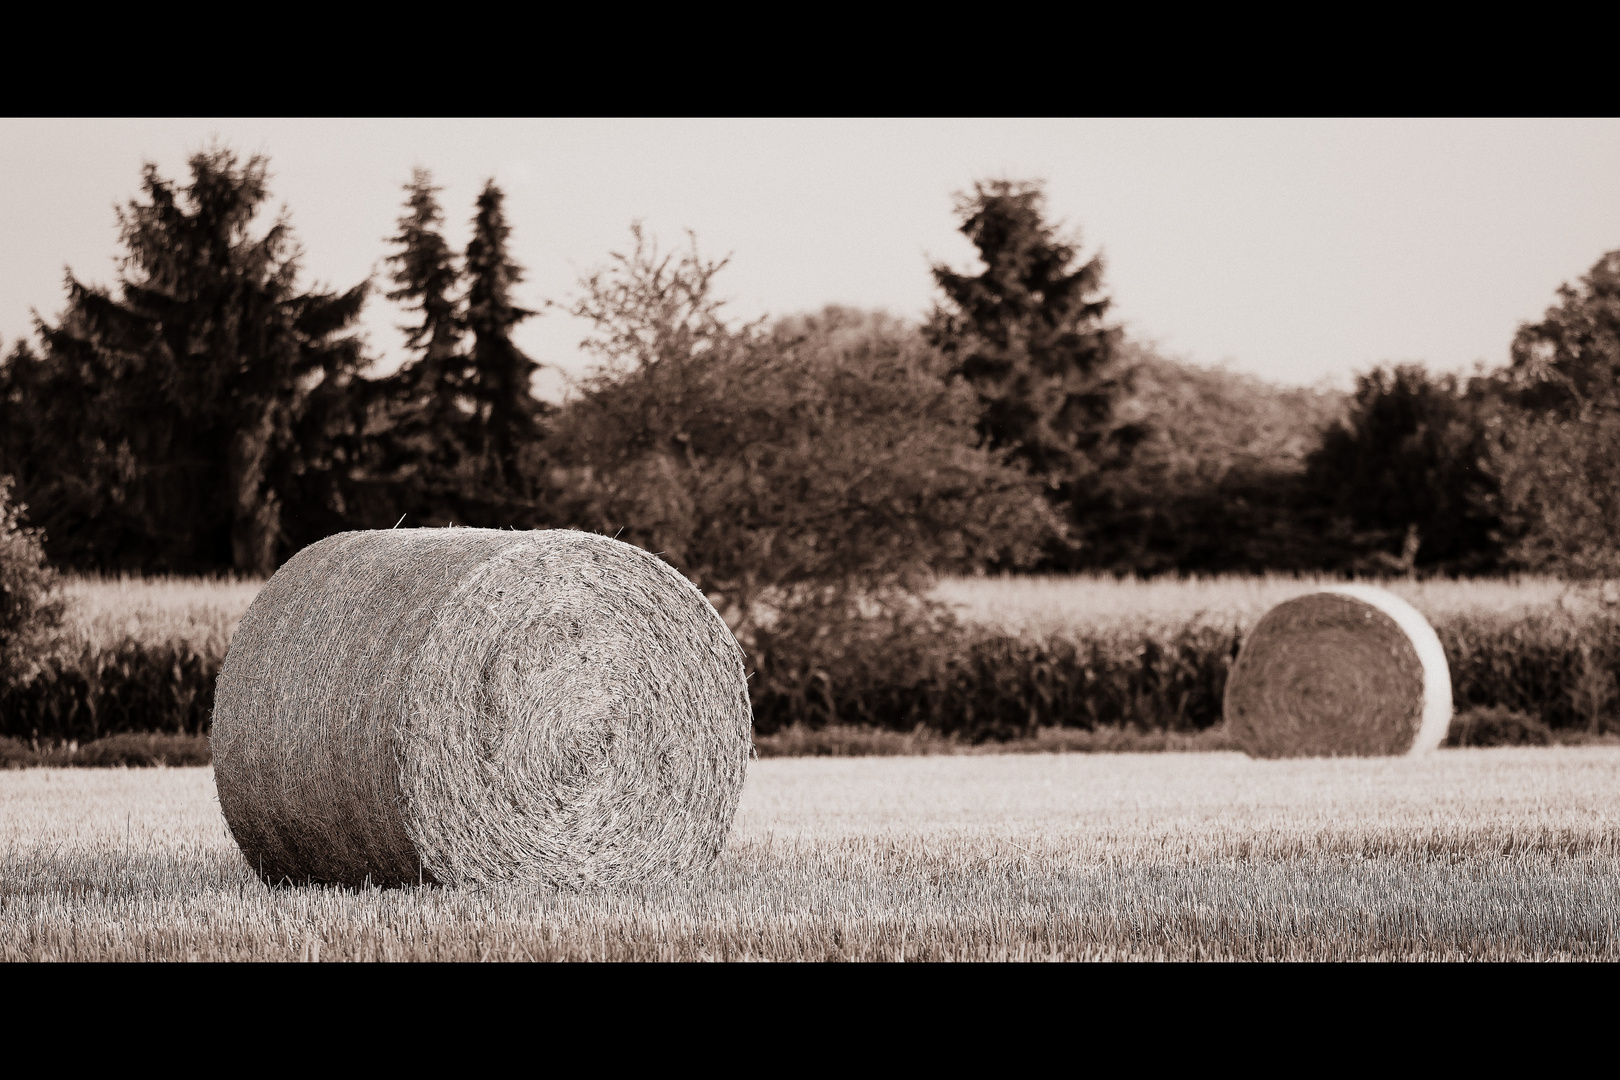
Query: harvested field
(1470, 854)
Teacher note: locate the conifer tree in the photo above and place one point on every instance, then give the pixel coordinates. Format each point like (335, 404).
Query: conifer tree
(1027, 332)
(418, 426)
(177, 423)
(425, 277)
(505, 409)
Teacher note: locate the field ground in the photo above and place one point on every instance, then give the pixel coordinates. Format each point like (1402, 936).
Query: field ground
(1467, 854)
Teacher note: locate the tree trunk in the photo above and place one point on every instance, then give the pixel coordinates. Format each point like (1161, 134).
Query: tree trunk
(255, 509)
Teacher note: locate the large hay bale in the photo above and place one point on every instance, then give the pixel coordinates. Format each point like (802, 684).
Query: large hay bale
(1351, 670)
(465, 706)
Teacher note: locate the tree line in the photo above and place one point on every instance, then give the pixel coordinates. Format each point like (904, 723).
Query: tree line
(208, 413)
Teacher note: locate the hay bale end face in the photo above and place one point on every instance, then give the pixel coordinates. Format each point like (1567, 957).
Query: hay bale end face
(467, 706)
(1352, 670)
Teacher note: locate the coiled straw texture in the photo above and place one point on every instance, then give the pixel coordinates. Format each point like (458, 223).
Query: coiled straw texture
(467, 706)
(1352, 670)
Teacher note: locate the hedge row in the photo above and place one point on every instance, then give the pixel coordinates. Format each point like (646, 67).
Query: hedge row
(88, 693)
(958, 680)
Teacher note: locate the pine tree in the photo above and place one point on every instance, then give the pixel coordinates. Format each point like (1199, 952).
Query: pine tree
(417, 427)
(505, 409)
(1027, 332)
(178, 422)
(425, 277)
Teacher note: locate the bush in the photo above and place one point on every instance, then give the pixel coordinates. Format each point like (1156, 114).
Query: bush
(135, 751)
(117, 751)
(822, 466)
(28, 610)
(16, 754)
(1556, 667)
(86, 692)
(976, 684)
(914, 666)
(846, 740)
(920, 667)
(1497, 726)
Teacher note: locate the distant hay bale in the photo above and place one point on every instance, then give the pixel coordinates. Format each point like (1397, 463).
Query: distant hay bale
(1351, 670)
(467, 706)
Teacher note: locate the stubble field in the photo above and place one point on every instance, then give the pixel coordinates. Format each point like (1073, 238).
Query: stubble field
(1463, 854)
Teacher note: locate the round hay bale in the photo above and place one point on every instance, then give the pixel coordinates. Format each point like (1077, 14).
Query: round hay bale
(467, 706)
(1350, 670)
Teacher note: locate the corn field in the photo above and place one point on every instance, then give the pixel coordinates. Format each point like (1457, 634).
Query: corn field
(1014, 658)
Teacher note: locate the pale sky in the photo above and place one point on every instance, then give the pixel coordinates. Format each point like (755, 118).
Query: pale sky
(1301, 251)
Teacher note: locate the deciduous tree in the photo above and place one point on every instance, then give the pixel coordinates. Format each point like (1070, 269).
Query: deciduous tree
(822, 464)
(1404, 480)
(29, 606)
(1558, 454)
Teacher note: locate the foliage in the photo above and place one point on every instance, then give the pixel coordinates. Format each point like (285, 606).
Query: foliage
(1556, 666)
(146, 750)
(29, 609)
(125, 751)
(1403, 477)
(1217, 482)
(179, 423)
(1558, 454)
(851, 740)
(1560, 492)
(16, 754)
(412, 460)
(1027, 333)
(88, 691)
(893, 669)
(425, 276)
(1497, 726)
(793, 474)
(1569, 362)
(454, 436)
(980, 685)
(505, 411)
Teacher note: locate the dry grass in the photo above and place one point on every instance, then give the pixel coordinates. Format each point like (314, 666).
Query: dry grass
(1476, 854)
(1056, 604)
